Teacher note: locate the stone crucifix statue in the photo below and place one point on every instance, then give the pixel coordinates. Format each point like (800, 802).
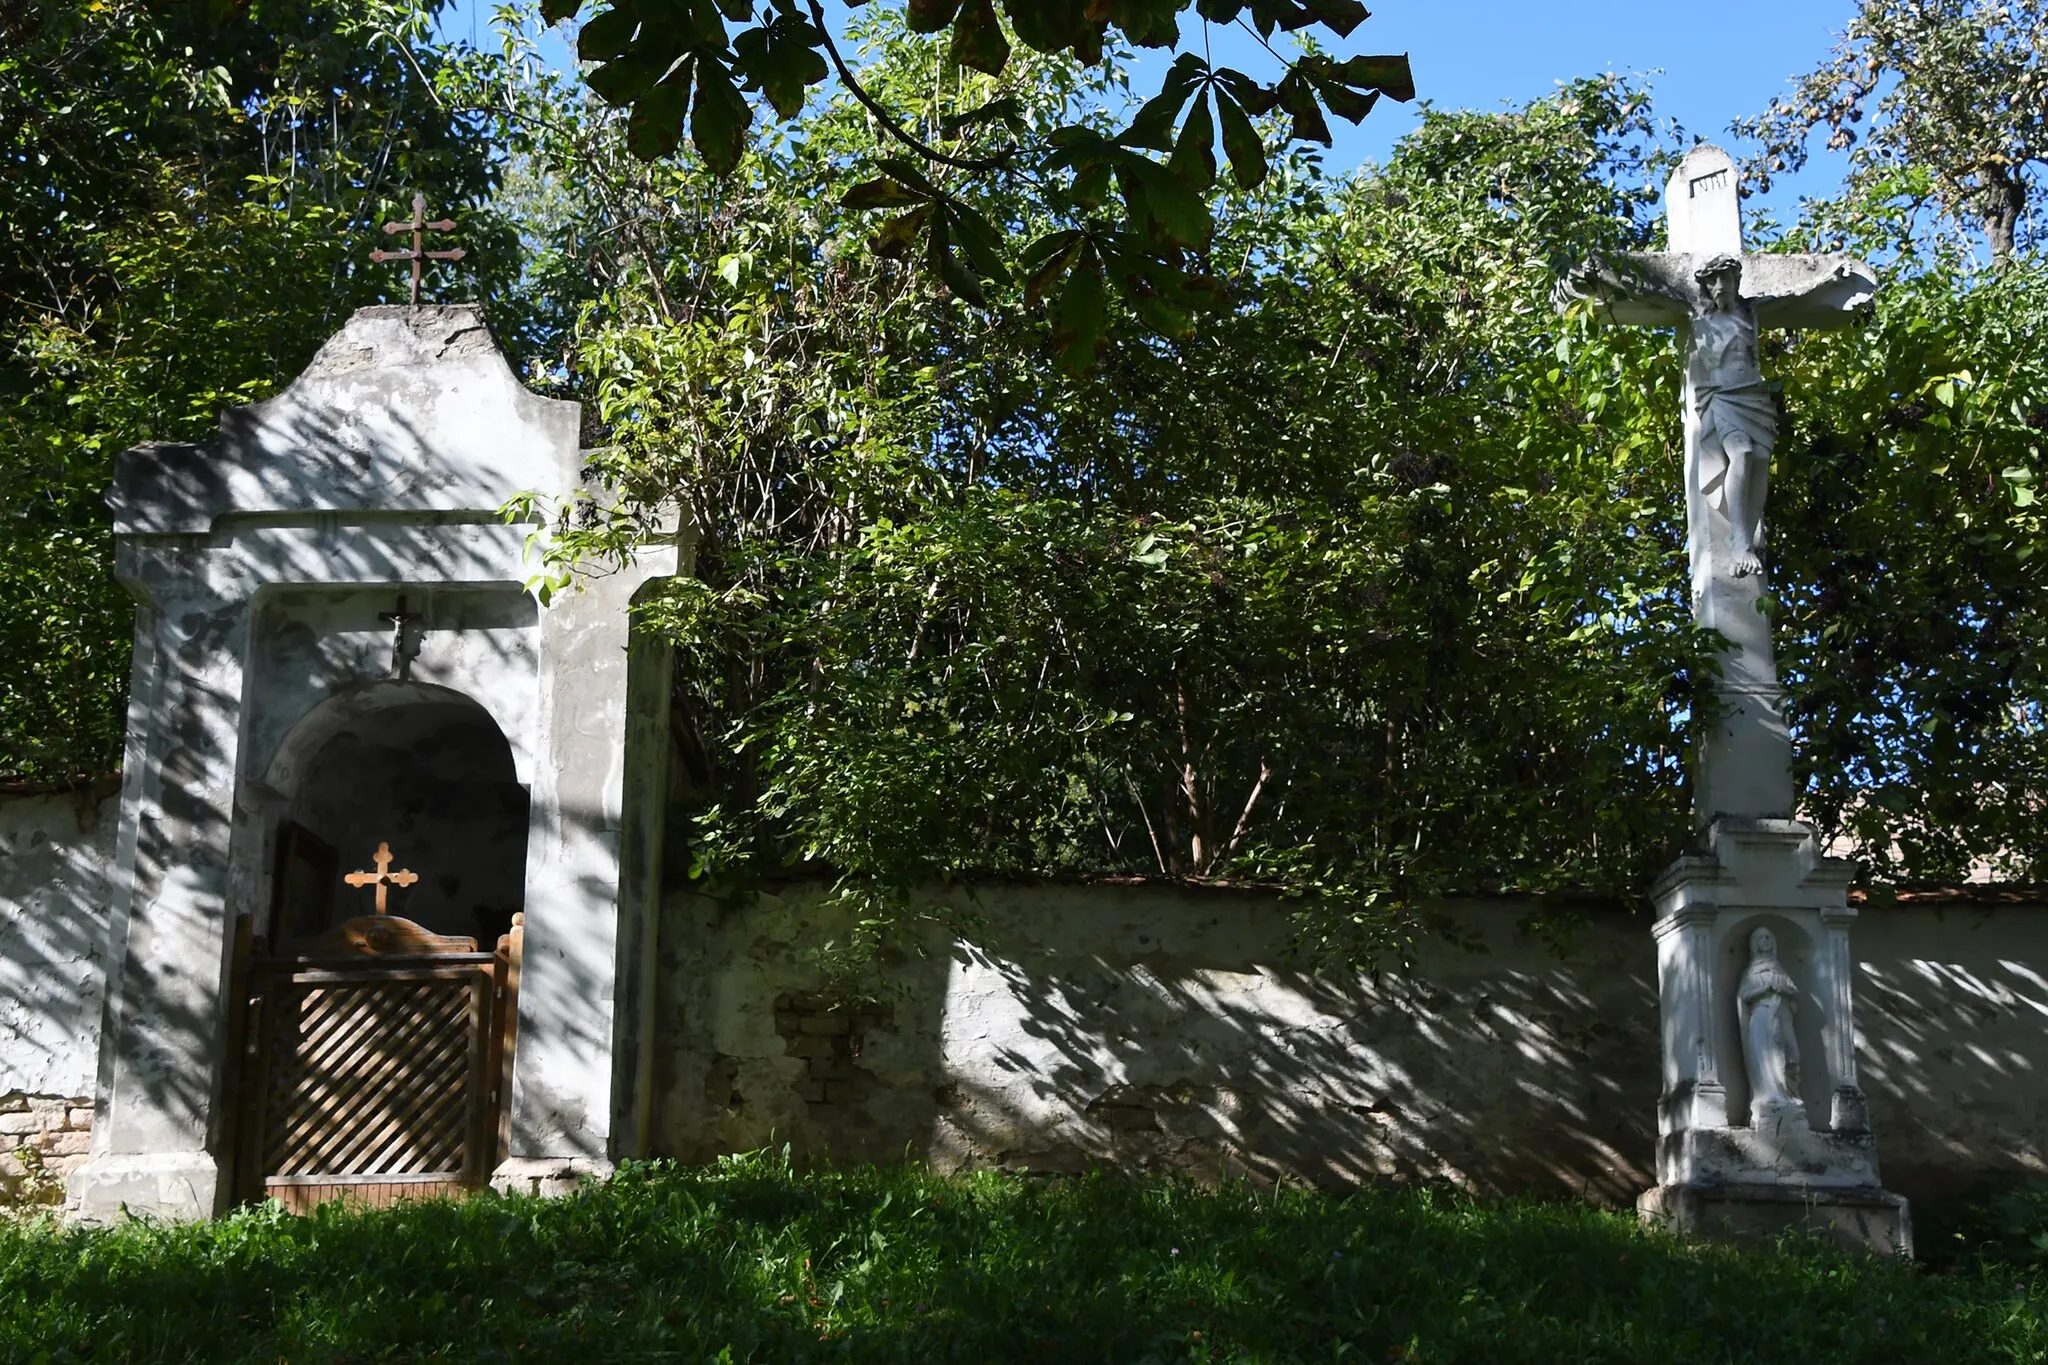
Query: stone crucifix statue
(1720, 299)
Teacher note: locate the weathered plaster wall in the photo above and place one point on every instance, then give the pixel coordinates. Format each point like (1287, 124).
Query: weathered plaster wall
(55, 852)
(1164, 1029)
(54, 856)
(1952, 1041)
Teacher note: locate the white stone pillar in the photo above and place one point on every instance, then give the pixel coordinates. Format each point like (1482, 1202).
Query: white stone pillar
(572, 1043)
(157, 1121)
(1848, 1111)
(1693, 1095)
(1743, 763)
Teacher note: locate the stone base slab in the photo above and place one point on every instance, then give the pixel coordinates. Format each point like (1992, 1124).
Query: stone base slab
(548, 1177)
(1788, 1153)
(179, 1187)
(1864, 1218)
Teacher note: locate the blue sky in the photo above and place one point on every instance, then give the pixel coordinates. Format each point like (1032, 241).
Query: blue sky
(1707, 65)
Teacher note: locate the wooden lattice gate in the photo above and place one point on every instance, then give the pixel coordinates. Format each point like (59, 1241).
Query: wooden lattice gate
(375, 1064)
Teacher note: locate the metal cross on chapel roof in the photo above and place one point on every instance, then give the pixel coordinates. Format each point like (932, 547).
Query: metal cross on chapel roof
(419, 227)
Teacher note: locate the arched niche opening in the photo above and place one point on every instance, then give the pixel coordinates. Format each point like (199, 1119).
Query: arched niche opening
(422, 769)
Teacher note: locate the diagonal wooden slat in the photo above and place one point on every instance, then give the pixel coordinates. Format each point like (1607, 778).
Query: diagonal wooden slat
(399, 1037)
(413, 1054)
(438, 1071)
(434, 1136)
(369, 1114)
(372, 1076)
(329, 1085)
(325, 1016)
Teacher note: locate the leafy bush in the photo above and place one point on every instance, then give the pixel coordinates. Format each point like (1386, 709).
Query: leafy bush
(2007, 1223)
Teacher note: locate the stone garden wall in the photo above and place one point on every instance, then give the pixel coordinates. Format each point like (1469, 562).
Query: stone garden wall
(54, 854)
(1952, 1038)
(1155, 1028)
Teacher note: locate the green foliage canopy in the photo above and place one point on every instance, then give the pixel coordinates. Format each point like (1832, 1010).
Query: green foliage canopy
(1365, 586)
(1949, 95)
(1364, 582)
(1907, 559)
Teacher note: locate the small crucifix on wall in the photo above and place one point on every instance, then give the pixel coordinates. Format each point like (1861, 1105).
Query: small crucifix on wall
(405, 640)
(383, 878)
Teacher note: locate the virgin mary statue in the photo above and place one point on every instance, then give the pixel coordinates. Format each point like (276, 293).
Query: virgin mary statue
(1768, 1002)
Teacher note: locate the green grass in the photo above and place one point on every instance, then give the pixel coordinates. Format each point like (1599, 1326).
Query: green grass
(747, 1261)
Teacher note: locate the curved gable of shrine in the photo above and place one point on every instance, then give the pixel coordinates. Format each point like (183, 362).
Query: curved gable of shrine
(403, 410)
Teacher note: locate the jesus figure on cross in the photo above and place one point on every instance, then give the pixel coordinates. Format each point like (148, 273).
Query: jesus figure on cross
(1720, 299)
(1738, 421)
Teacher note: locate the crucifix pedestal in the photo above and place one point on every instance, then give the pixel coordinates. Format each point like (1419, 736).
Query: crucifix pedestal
(1761, 1124)
(1732, 1157)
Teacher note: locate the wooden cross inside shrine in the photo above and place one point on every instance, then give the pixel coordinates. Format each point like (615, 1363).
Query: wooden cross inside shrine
(383, 878)
(419, 227)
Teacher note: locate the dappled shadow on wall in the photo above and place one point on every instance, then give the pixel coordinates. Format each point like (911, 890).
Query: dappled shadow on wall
(54, 854)
(568, 979)
(1065, 1041)
(1952, 1016)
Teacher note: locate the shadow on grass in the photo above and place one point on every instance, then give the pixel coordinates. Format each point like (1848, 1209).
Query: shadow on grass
(745, 1261)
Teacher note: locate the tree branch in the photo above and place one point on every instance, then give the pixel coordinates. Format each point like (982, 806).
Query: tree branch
(1158, 851)
(888, 120)
(1244, 819)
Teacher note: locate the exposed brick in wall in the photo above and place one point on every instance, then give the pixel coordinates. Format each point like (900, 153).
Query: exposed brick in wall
(829, 1035)
(43, 1138)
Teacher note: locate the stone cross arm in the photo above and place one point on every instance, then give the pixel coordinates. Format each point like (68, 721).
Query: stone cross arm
(1703, 214)
(1657, 289)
